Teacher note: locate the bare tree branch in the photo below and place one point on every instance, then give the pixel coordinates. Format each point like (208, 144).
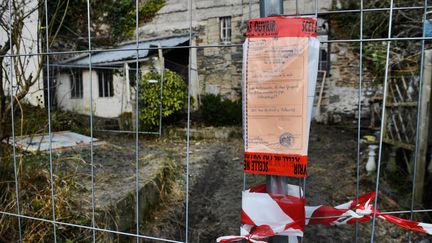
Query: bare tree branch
(18, 45)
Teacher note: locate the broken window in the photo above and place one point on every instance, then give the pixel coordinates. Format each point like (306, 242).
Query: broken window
(225, 29)
(105, 81)
(76, 83)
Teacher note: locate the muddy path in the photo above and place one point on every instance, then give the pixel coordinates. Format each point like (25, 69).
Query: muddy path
(216, 182)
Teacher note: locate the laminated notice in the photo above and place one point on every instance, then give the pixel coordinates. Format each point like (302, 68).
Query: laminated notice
(279, 76)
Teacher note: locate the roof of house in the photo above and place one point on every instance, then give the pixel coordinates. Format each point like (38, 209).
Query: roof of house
(126, 51)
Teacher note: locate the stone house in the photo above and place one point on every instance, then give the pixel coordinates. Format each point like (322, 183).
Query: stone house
(216, 23)
(219, 69)
(218, 29)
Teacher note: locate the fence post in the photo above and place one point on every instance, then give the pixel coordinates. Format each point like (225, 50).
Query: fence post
(270, 7)
(161, 72)
(275, 184)
(423, 126)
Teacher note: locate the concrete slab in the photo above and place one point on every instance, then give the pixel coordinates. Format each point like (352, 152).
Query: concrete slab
(60, 140)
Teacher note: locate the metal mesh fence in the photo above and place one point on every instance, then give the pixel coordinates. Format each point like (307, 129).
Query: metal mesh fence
(396, 108)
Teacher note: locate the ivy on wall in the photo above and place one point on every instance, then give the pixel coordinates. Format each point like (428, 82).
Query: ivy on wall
(112, 21)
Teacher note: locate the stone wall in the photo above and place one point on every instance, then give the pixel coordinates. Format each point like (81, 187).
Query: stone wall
(342, 83)
(219, 68)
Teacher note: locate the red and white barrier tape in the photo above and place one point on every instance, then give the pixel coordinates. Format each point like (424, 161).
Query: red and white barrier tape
(265, 215)
(344, 214)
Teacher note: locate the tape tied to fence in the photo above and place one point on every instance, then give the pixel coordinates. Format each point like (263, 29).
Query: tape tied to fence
(265, 215)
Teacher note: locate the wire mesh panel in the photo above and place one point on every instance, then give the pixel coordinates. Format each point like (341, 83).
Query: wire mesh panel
(85, 85)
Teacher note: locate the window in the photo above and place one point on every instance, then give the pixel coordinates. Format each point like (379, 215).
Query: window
(323, 60)
(105, 81)
(132, 77)
(225, 29)
(76, 83)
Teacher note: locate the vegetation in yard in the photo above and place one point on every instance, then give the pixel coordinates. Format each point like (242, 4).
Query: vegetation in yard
(35, 200)
(174, 97)
(33, 177)
(30, 120)
(216, 111)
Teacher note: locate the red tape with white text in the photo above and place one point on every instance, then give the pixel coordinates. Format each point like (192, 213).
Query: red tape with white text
(265, 215)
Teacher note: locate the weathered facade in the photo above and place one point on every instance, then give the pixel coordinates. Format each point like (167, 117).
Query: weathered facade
(113, 102)
(112, 71)
(218, 29)
(342, 83)
(221, 23)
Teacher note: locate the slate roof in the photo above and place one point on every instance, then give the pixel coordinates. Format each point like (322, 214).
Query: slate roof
(126, 51)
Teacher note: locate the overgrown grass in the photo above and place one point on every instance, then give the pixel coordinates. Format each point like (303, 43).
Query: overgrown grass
(34, 183)
(35, 199)
(30, 120)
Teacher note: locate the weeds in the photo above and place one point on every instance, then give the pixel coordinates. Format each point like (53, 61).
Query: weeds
(35, 200)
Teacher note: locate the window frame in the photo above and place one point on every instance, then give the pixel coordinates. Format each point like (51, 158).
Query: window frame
(225, 27)
(76, 83)
(105, 83)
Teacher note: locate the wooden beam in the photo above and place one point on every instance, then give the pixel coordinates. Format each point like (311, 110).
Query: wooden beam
(402, 104)
(318, 106)
(399, 144)
(423, 127)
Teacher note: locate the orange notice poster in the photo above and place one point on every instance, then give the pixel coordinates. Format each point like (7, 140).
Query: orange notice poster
(275, 98)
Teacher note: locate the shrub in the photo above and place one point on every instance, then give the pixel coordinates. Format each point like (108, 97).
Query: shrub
(174, 97)
(31, 120)
(216, 111)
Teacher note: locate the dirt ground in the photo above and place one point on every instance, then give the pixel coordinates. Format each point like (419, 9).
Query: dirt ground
(216, 182)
